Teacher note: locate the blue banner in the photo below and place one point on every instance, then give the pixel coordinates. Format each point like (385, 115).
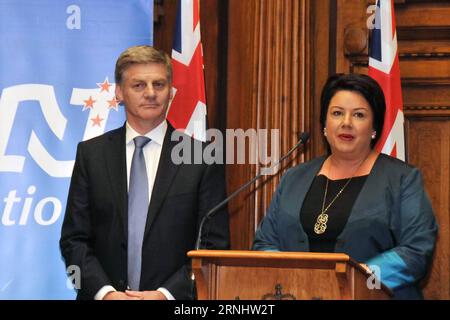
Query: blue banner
(57, 62)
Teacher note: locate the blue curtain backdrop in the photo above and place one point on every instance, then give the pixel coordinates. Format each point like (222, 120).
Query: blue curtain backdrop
(56, 88)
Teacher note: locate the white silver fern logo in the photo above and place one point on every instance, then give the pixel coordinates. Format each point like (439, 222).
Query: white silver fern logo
(12, 97)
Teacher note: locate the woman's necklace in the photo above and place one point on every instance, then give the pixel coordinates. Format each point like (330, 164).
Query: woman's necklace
(322, 219)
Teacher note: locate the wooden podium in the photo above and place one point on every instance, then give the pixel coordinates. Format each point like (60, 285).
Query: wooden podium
(262, 275)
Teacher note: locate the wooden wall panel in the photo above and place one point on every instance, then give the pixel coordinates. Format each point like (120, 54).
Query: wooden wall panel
(424, 46)
(432, 155)
(241, 113)
(321, 65)
(268, 87)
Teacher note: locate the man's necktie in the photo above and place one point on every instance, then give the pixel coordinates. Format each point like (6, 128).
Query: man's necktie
(137, 211)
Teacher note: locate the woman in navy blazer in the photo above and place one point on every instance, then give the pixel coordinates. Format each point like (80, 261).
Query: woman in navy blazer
(354, 200)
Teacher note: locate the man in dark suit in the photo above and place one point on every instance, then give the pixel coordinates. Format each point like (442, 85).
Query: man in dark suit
(100, 232)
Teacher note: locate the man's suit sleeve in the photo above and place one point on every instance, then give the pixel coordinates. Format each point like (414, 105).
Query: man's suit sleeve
(77, 234)
(215, 232)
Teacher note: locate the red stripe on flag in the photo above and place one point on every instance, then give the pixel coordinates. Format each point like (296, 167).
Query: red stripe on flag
(394, 151)
(196, 13)
(189, 82)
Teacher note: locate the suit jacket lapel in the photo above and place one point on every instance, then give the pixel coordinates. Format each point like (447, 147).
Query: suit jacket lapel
(164, 177)
(116, 163)
(297, 194)
(367, 199)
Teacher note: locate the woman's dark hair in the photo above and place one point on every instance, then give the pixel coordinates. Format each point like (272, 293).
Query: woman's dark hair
(359, 83)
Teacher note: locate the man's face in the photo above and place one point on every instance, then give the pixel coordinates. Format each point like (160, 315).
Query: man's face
(145, 91)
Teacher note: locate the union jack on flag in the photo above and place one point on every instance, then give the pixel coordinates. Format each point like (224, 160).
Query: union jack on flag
(385, 69)
(188, 107)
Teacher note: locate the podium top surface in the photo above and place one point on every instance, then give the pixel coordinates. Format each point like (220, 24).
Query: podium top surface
(275, 258)
(269, 255)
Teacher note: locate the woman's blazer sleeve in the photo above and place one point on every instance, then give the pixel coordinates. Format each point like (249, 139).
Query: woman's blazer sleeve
(409, 260)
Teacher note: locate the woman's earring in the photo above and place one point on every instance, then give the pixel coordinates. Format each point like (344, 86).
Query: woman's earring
(325, 132)
(374, 134)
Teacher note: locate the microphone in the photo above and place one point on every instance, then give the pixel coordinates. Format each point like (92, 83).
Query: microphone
(304, 136)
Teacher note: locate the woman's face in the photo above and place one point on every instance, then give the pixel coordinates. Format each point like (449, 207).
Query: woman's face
(349, 124)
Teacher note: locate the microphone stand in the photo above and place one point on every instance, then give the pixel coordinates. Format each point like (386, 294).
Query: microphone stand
(303, 138)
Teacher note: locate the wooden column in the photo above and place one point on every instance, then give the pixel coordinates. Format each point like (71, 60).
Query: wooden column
(268, 88)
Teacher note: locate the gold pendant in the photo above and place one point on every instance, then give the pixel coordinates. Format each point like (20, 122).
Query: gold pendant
(321, 223)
